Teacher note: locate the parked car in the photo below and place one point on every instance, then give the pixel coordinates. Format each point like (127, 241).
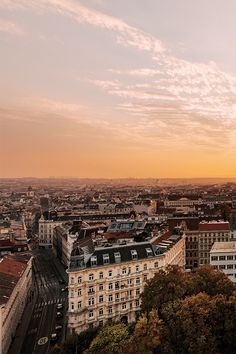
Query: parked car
(58, 327)
(53, 337)
(59, 314)
(59, 306)
(64, 289)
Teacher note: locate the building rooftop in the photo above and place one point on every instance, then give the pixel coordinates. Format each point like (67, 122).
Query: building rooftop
(11, 269)
(219, 247)
(214, 226)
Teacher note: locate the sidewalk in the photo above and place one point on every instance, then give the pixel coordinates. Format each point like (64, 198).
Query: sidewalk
(22, 328)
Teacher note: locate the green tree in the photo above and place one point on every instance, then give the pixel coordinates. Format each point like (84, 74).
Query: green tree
(110, 339)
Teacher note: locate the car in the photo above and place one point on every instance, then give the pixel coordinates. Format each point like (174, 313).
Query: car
(59, 314)
(59, 306)
(64, 289)
(58, 327)
(53, 337)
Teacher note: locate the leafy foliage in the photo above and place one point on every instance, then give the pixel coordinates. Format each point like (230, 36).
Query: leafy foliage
(110, 339)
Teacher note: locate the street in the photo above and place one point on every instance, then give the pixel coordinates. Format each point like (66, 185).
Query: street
(40, 316)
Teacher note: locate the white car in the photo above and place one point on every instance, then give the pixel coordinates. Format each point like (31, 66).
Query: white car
(59, 306)
(53, 337)
(58, 327)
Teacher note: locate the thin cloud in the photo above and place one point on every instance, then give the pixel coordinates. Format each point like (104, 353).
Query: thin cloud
(182, 100)
(10, 28)
(125, 34)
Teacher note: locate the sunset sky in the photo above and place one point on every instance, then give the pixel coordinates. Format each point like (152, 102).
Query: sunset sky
(117, 88)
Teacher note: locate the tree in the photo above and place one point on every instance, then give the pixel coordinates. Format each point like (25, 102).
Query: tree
(146, 335)
(110, 339)
(187, 328)
(208, 280)
(167, 285)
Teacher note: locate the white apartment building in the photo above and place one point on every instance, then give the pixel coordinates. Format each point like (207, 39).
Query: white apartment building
(46, 228)
(15, 284)
(107, 284)
(223, 257)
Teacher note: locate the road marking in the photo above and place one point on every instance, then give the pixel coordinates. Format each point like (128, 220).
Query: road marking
(42, 340)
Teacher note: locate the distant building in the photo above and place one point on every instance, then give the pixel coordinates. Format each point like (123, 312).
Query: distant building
(209, 233)
(46, 228)
(15, 285)
(44, 204)
(106, 285)
(223, 257)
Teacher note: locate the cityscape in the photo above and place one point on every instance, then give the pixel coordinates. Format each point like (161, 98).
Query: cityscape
(117, 177)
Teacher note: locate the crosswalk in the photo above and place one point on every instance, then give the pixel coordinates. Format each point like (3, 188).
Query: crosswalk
(50, 302)
(47, 284)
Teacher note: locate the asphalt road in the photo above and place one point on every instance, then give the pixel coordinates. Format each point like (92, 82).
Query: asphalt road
(40, 315)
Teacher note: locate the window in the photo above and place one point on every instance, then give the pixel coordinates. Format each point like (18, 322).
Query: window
(72, 294)
(91, 290)
(93, 261)
(100, 323)
(110, 298)
(156, 265)
(79, 305)
(79, 280)
(79, 292)
(230, 258)
(230, 266)
(100, 311)
(149, 252)
(91, 301)
(222, 266)
(145, 266)
(117, 257)
(101, 275)
(91, 277)
(222, 258)
(110, 286)
(106, 259)
(91, 313)
(117, 296)
(123, 306)
(109, 310)
(138, 291)
(137, 268)
(72, 306)
(110, 273)
(214, 258)
(134, 254)
(100, 287)
(137, 280)
(101, 298)
(145, 277)
(137, 302)
(129, 281)
(123, 270)
(72, 280)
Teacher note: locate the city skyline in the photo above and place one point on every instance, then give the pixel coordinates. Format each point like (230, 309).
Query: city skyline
(102, 89)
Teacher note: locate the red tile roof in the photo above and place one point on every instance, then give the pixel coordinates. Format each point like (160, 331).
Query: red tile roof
(12, 267)
(214, 226)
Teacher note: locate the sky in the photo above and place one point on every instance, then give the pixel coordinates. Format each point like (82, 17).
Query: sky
(107, 88)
